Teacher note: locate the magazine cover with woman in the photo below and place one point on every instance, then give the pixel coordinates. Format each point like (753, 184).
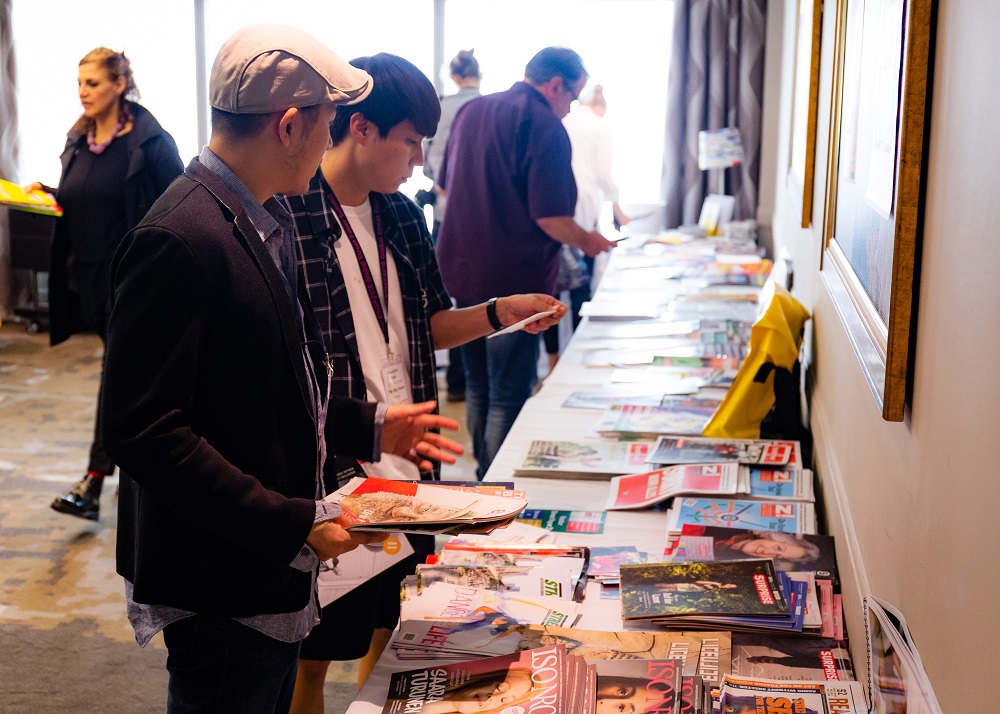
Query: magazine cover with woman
(534, 681)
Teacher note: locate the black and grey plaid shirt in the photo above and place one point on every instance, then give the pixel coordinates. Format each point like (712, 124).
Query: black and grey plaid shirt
(423, 292)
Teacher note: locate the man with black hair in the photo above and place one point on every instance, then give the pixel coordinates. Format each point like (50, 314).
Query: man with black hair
(511, 200)
(374, 285)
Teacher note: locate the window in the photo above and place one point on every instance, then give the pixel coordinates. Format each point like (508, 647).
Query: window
(625, 45)
(48, 46)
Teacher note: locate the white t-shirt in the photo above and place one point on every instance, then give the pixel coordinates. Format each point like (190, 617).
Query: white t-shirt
(590, 138)
(371, 342)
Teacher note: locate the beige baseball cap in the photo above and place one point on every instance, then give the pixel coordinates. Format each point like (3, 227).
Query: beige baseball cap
(270, 68)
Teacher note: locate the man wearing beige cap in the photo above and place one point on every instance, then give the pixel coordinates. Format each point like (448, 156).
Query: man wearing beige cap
(216, 400)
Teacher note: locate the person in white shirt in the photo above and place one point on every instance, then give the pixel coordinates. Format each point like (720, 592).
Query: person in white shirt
(590, 138)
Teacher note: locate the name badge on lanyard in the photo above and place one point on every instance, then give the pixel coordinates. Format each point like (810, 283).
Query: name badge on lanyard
(393, 373)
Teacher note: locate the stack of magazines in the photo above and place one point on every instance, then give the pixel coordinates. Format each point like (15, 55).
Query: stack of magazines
(383, 505)
(458, 622)
(543, 680)
(738, 595)
(761, 695)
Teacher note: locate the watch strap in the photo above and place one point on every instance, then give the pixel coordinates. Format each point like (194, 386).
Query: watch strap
(491, 314)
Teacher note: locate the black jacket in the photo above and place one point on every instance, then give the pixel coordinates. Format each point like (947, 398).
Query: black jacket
(206, 410)
(153, 163)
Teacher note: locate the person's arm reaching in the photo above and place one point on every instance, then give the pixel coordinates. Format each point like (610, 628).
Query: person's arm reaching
(565, 230)
(455, 327)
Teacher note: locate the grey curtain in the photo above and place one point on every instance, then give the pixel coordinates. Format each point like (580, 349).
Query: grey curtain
(716, 80)
(8, 146)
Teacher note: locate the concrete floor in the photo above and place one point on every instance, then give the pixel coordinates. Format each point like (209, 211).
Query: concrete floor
(65, 643)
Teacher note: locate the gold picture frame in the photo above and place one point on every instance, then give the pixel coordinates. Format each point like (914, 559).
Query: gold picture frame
(805, 93)
(872, 214)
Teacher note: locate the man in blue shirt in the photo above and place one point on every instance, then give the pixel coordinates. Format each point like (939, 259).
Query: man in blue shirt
(511, 200)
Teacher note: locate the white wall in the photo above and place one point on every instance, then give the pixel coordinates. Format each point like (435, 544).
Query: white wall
(915, 505)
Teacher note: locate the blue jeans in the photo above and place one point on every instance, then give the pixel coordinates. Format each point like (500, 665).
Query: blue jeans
(218, 665)
(499, 377)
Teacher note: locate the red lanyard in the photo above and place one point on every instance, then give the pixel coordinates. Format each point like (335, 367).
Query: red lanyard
(366, 274)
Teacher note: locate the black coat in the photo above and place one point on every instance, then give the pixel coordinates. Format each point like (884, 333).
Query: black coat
(206, 411)
(153, 162)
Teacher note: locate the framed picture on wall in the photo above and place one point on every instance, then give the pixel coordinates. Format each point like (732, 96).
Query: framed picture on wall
(873, 210)
(805, 93)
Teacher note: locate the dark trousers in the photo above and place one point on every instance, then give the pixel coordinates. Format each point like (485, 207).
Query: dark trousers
(219, 666)
(92, 282)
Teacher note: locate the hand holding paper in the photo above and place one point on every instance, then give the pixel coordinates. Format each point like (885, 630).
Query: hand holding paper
(531, 312)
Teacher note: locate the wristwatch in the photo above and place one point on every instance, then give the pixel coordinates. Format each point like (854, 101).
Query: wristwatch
(491, 314)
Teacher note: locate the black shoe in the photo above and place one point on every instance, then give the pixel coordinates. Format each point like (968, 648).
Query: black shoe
(83, 501)
(454, 397)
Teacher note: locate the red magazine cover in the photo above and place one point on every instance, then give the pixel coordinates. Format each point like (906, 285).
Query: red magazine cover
(530, 682)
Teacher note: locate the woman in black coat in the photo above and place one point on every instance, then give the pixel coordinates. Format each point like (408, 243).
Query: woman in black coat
(117, 162)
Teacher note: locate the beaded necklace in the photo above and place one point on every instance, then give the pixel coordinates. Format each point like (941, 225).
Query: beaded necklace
(96, 148)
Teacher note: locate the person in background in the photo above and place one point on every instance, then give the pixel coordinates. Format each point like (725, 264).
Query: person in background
(511, 199)
(375, 288)
(466, 75)
(217, 404)
(590, 137)
(117, 162)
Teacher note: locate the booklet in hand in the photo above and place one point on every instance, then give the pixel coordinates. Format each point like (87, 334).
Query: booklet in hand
(519, 325)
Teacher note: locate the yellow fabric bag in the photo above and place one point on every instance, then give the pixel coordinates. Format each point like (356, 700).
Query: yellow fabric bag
(775, 339)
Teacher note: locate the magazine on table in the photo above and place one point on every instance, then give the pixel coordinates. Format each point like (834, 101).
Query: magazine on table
(897, 680)
(777, 484)
(674, 416)
(735, 587)
(360, 565)
(531, 682)
(376, 504)
(606, 560)
(564, 521)
(738, 694)
(554, 576)
(706, 654)
(646, 489)
(812, 619)
(575, 557)
(780, 516)
(574, 459)
(791, 552)
(791, 658)
(617, 311)
(688, 379)
(458, 621)
(696, 450)
(636, 396)
(794, 594)
(651, 686)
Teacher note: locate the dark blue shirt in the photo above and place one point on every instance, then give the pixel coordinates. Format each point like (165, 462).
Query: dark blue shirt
(506, 165)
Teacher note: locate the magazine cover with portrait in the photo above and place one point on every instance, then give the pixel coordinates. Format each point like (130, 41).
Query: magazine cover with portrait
(791, 552)
(705, 654)
(509, 684)
(639, 686)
